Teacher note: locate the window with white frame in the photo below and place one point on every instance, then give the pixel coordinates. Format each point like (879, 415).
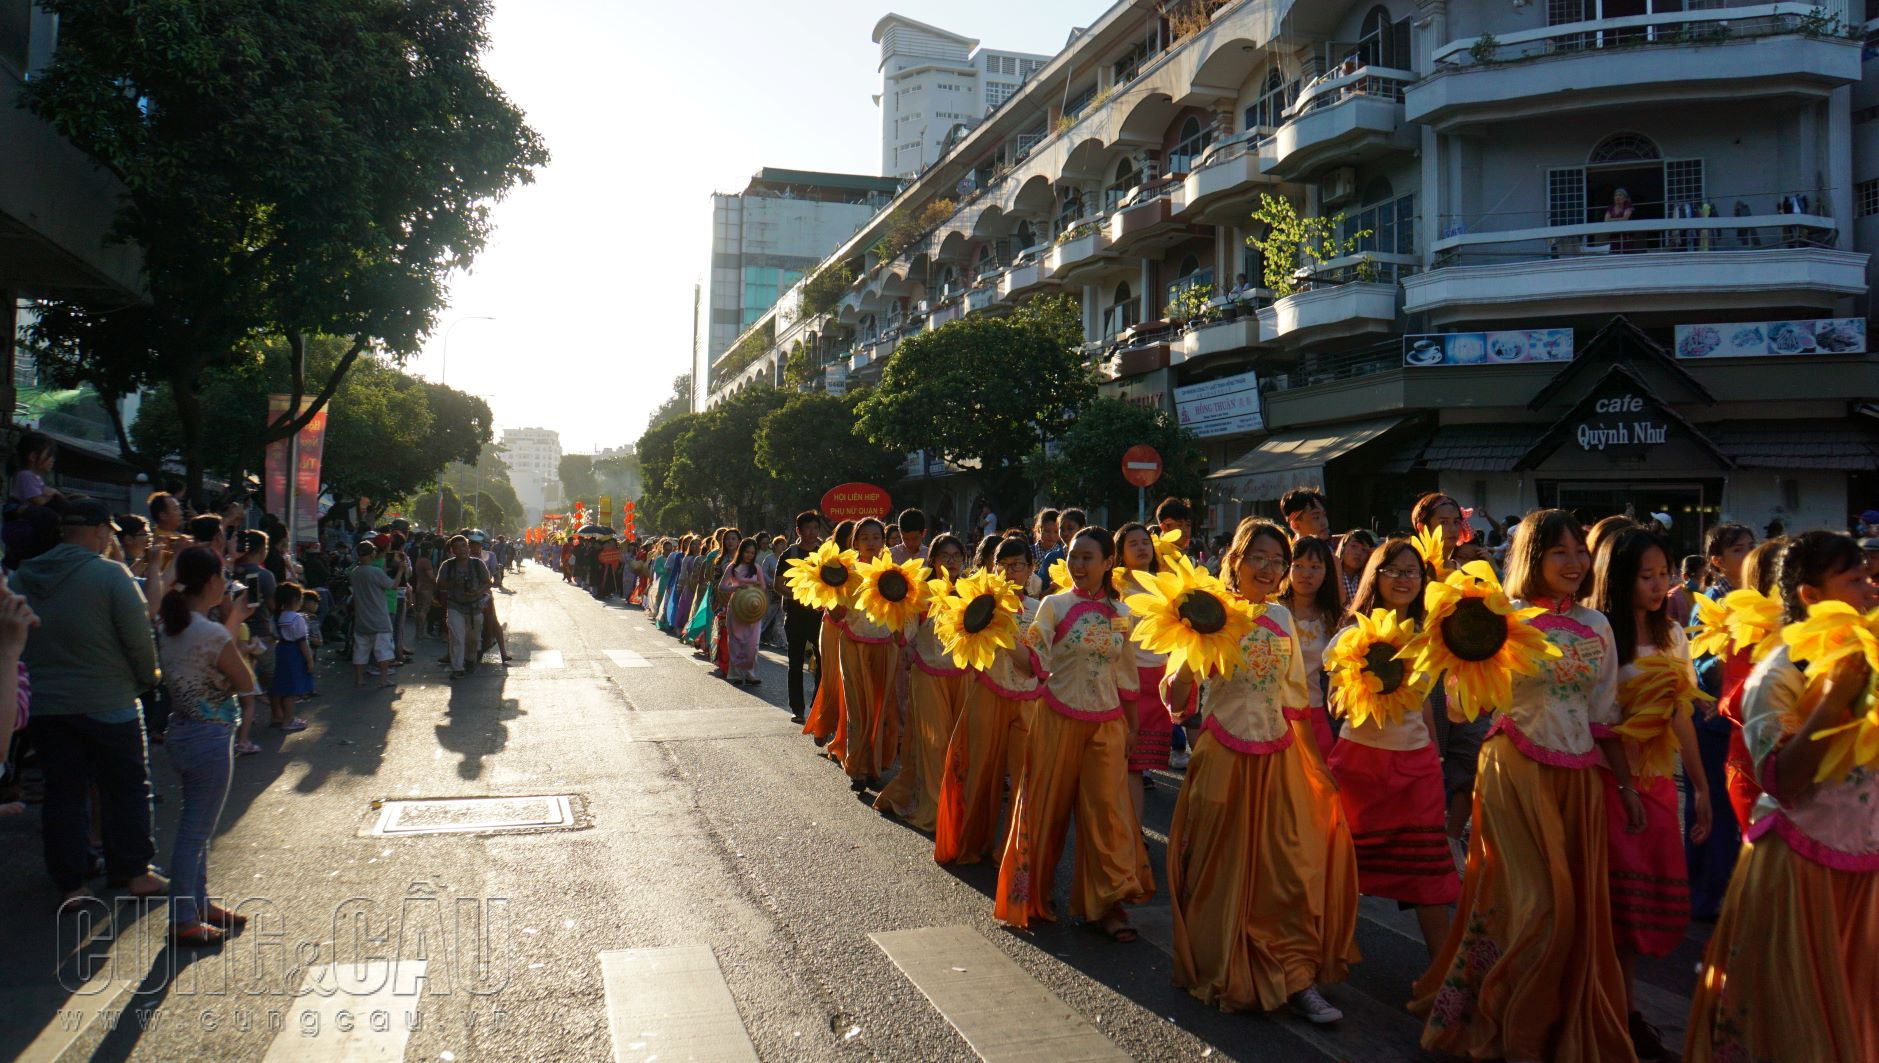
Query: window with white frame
(1866, 195)
(1268, 110)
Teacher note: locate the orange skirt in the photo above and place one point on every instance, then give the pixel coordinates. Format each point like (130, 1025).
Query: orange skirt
(934, 703)
(1790, 972)
(1529, 970)
(1073, 765)
(987, 746)
(870, 713)
(1262, 879)
(825, 713)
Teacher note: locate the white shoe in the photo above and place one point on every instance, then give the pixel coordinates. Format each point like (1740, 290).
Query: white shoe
(1313, 1007)
(1177, 760)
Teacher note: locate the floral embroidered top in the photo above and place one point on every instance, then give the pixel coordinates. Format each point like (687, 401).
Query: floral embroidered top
(1248, 712)
(1835, 824)
(928, 655)
(1557, 712)
(1313, 637)
(1003, 677)
(1081, 645)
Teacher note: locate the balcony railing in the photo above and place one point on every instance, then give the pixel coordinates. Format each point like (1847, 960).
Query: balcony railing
(1314, 370)
(1368, 267)
(1374, 81)
(1121, 317)
(1712, 26)
(1734, 233)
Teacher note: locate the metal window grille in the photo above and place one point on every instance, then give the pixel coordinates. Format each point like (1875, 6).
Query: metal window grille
(1683, 181)
(1866, 194)
(1565, 196)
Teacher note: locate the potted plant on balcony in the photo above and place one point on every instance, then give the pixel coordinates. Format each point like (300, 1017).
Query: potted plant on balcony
(1291, 239)
(1189, 305)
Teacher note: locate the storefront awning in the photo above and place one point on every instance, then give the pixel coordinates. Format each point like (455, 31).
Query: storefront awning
(1295, 459)
(1850, 445)
(1479, 447)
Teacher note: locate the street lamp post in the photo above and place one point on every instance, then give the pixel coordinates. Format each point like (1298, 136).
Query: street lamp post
(443, 375)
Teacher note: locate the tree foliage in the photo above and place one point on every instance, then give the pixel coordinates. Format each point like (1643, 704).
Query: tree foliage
(678, 404)
(1087, 465)
(388, 433)
(825, 289)
(315, 168)
(1290, 238)
(714, 460)
(985, 392)
(576, 473)
(811, 444)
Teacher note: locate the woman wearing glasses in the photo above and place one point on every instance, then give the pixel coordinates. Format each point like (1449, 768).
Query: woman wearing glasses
(1262, 877)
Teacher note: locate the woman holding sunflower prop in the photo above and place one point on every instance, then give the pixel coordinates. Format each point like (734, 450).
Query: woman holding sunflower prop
(1388, 772)
(825, 580)
(1650, 886)
(870, 656)
(1529, 970)
(1076, 757)
(1789, 972)
(1261, 873)
(1151, 730)
(982, 617)
(936, 691)
(1437, 520)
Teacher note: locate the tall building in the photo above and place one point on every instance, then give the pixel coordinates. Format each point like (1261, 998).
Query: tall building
(936, 85)
(534, 467)
(765, 238)
(1583, 257)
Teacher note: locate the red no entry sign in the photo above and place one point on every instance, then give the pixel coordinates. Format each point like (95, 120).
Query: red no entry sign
(1141, 465)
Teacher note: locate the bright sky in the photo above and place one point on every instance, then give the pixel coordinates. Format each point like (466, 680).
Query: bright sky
(648, 109)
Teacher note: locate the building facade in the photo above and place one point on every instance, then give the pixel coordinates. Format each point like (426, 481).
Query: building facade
(534, 456)
(1610, 258)
(765, 238)
(935, 86)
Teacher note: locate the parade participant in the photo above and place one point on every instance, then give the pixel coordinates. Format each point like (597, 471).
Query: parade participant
(936, 695)
(740, 638)
(870, 656)
(1261, 874)
(696, 629)
(1306, 512)
(711, 643)
(685, 575)
(1650, 890)
(1458, 740)
(1788, 973)
(1388, 773)
(1529, 970)
(1076, 757)
(1150, 728)
(1173, 515)
(912, 541)
(1309, 594)
(1727, 551)
(988, 741)
(802, 623)
(1353, 553)
(827, 720)
(1069, 522)
(983, 558)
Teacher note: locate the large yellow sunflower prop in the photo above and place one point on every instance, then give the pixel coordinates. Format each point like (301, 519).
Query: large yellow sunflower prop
(1833, 632)
(892, 595)
(825, 579)
(1168, 546)
(1188, 614)
(976, 620)
(1060, 580)
(1432, 544)
(1474, 633)
(1663, 690)
(1743, 620)
(1369, 680)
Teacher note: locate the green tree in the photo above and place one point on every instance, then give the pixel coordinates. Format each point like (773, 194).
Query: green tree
(811, 445)
(1290, 239)
(1087, 465)
(618, 477)
(319, 168)
(476, 509)
(985, 392)
(714, 461)
(657, 448)
(678, 404)
(576, 473)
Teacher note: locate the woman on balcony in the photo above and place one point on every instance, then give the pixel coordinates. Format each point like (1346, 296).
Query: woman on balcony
(1621, 210)
(1076, 757)
(1262, 876)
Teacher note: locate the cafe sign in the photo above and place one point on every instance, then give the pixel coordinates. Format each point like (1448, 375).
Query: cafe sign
(1622, 421)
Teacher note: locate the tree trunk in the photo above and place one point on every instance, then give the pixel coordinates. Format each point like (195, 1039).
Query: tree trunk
(189, 421)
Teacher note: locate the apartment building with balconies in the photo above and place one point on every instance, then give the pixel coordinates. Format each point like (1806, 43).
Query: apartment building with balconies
(1594, 253)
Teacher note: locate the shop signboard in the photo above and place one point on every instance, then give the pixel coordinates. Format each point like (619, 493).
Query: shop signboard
(1760, 339)
(835, 379)
(1223, 407)
(1488, 348)
(1622, 421)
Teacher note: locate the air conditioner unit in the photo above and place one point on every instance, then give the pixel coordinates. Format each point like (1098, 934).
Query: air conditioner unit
(1338, 185)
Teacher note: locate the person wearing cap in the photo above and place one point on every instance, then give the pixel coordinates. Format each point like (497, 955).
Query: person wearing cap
(90, 658)
(463, 583)
(1869, 524)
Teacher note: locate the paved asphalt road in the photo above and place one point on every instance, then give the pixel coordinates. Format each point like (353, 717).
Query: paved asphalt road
(719, 893)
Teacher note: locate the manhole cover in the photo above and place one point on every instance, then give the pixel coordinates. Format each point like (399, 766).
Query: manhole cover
(465, 815)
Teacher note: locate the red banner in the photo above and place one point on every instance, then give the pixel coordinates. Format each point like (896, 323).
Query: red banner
(306, 469)
(855, 501)
(274, 494)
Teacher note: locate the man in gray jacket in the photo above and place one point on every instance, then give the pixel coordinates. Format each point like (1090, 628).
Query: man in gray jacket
(89, 659)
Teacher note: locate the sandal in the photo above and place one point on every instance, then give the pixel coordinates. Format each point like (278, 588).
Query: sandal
(223, 919)
(293, 726)
(245, 748)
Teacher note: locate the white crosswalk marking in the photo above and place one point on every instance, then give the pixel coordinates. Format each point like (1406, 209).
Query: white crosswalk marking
(1001, 1011)
(627, 659)
(545, 660)
(366, 1018)
(671, 1004)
